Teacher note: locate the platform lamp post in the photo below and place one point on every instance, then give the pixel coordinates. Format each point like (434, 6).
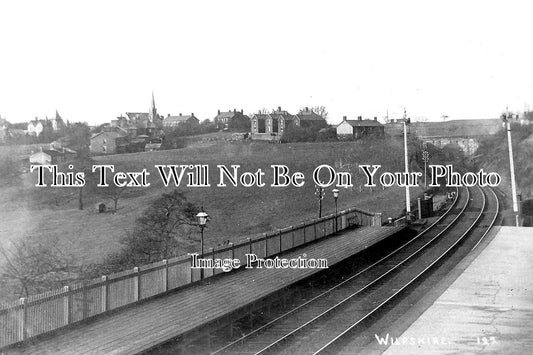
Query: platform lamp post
(201, 218)
(406, 121)
(506, 117)
(336, 197)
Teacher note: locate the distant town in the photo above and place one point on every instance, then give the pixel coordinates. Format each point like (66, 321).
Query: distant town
(149, 131)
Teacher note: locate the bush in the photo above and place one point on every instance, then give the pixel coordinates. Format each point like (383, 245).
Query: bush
(308, 132)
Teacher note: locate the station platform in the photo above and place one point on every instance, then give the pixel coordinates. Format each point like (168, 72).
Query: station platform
(487, 309)
(149, 323)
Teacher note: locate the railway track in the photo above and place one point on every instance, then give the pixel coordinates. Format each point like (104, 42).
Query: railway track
(322, 322)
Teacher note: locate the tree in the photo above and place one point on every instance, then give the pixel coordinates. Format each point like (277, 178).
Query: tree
(36, 266)
(321, 111)
(10, 171)
(77, 137)
(114, 193)
(83, 163)
(160, 232)
(172, 139)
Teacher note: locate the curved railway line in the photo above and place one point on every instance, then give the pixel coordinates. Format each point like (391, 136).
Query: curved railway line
(323, 323)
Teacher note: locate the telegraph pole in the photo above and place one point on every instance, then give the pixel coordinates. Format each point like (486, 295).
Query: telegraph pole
(425, 157)
(406, 121)
(507, 119)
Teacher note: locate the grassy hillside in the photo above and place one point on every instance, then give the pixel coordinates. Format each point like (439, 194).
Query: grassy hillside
(236, 212)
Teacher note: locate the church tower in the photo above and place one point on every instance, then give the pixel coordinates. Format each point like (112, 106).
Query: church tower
(152, 114)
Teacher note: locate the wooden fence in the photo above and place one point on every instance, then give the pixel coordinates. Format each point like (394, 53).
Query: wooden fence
(38, 314)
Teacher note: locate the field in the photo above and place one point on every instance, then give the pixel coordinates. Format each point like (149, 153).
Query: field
(236, 212)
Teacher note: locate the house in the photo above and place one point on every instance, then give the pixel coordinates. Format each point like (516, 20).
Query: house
(231, 120)
(307, 117)
(182, 121)
(49, 157)
(272, 126)
(37, 126)
(109, 142)
(355, 129)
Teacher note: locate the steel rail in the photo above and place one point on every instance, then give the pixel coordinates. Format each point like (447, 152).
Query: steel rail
(493, 220)
(344, 332)
(328, 291)
(294, 331)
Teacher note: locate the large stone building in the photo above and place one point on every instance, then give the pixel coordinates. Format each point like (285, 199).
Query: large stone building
(231, 120)
(272, 126)
(182, 121)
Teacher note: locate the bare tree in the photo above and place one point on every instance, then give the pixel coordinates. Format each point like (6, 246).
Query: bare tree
(36, 266)
(114, 193)
(321, 111)
(83, 163)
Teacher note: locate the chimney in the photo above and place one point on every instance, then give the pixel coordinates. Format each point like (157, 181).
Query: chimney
(219, 112)
(375, 118)
(234, 110)
(180, 113)
(359, 118)
(307, 109)
(279, 108)
(242, 111)
(168, 114)
(192, 114)
(344, 118)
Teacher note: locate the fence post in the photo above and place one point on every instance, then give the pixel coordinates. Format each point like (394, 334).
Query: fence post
(266, 245)
(292, 232)
(136, 284)
(343, 220)
(378, 219)
(314, 227)
(66, 306)
(192, 270)
(250, 243)
(304, 228)
(212, 250)
(232, 250)
(23, 318)
(165, 275)
(104, 294)
(279, 232)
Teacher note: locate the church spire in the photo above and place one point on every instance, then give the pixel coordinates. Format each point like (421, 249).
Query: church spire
(153, 111)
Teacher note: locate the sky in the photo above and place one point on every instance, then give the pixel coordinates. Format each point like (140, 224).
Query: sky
(94, 60)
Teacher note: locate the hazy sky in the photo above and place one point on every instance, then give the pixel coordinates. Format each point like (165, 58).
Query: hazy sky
(94, 60)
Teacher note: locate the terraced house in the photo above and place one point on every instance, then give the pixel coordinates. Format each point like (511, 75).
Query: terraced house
(272, 126)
